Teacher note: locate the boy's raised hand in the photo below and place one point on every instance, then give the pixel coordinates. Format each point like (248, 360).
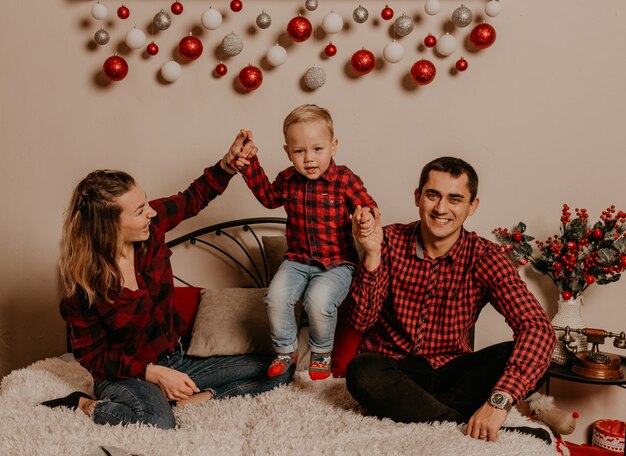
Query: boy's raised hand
(248, 151)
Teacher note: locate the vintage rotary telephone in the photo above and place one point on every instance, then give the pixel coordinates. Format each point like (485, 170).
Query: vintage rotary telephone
(594, 363)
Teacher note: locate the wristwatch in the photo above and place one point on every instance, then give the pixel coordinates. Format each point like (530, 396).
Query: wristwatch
(500, 401)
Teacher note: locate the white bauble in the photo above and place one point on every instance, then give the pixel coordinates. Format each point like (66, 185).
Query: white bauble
(393, 52)
(99, 11)
(446, 44)
(211, 19)
(135, 38)
(493, 8)
(432, 7)
(332, 23)
(171, 71)
(277, 55)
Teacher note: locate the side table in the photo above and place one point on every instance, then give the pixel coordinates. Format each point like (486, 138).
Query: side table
(564, 373)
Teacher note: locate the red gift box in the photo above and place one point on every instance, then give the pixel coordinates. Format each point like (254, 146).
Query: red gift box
(609, 434)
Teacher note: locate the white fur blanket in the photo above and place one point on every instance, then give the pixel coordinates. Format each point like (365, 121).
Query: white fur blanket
(306, 417)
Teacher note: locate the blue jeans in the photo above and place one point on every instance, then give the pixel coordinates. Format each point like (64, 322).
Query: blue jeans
(322, 290)
(138, 401)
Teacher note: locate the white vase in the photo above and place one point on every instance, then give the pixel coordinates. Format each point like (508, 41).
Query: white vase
(569, 314)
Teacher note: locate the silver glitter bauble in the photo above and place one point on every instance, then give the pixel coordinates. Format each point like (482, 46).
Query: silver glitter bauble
(263, 20)
(314, 78)
(462, 16)
(162, 20)
(311, 5)
(101, 37)
(403, 25)
(232, 44)
(360, 14)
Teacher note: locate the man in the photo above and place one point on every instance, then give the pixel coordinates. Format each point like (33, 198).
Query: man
(417, 295)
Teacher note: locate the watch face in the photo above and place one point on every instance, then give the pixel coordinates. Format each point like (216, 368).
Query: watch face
(498, 399)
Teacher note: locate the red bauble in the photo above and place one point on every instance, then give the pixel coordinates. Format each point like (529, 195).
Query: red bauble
(622, 260)
(483, 35)
(123, 12)
(461, 64)
(221, 70)
(152, 49)
(430, 41)
(236, 5)
(299, 29)
(597, 233)
(115, 68)
(363, 61)
(250, 77)
(517, 236)
(330, 49)
(386, 13)
(190, 48)
(423, 72)
(566, 295)
(177, 8)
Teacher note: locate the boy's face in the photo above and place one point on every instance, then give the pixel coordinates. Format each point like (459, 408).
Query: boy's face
(310, 147)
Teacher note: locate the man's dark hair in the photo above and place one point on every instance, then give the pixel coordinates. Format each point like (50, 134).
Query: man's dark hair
(455, 167)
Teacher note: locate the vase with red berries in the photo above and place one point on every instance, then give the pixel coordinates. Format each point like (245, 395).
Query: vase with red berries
(582, 254)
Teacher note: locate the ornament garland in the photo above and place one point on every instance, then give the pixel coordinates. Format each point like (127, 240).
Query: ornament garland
(300, 29)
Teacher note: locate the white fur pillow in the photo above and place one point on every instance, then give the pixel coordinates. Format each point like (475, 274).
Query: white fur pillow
(231, 321)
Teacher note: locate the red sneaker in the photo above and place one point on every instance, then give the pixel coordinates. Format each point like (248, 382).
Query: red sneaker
(319, 367)
(281, 363)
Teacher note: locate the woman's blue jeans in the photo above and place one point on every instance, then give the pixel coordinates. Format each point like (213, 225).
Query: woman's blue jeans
(138, 401)
(322, 290)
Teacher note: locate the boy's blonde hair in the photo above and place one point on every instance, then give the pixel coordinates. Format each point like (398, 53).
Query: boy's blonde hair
(308, 113)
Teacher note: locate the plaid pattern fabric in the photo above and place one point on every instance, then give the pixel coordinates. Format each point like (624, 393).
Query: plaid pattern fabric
(319, 229)
(118, 340)
(412, 305)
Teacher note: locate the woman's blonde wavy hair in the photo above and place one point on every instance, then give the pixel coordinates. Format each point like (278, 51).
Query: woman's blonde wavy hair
(92, 241)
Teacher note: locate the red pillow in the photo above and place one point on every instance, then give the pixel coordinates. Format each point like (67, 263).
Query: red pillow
(347, 342)
(186, 300)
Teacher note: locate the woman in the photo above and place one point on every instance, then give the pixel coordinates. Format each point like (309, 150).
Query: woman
(119, 301)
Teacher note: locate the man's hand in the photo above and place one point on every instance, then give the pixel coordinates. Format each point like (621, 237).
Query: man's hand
(236, 149)
(248, 151)
(368, 233)
(486, 423)
(175, 385)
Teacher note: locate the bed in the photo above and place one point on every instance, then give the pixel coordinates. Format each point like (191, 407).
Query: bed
(227, 266)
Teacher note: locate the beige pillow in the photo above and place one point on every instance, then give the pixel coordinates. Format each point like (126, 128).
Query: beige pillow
(231, 321)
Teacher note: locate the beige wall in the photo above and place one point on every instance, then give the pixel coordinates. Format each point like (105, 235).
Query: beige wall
(540, 114)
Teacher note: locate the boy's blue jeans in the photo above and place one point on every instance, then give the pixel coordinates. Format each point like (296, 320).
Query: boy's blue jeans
(322, 292)
(138, 401)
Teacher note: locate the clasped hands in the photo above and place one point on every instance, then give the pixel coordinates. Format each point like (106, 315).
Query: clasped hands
(240, 151)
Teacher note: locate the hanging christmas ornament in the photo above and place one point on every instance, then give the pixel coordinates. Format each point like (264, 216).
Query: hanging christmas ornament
(432, 7)
(232, 44)
(162, 20)
(330, 49)
(423, 72)
(332, 23)
(190, 48)
(314, 78)
(461, 64)
(311, 5)
(152, 48)
(263, 20)
(135, 38)
(115, 68)
(299, 29)
(462, 16)
(211, 19)
(221, 70)
(277, 55)
(176, 8)
(430, 41)
(446, 45)
(171, 71)
(250, 78)
(493, 7)
(403, 25)
(483, 35)
(386, 13)
(360, 14)
(101, 37)
(99, 11)
(236, 5)
(363, 61)
(123, 12)
(393, 52)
